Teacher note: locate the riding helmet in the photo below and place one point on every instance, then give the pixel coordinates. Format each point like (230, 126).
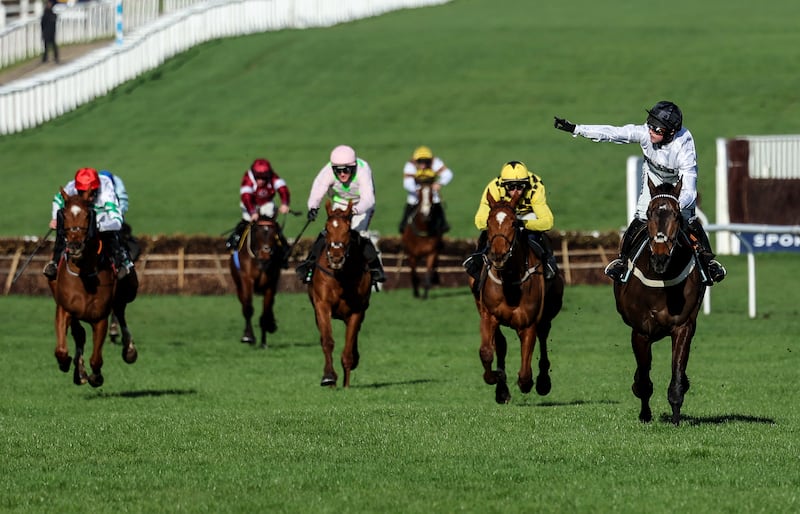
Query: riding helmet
(422, 153)
(86, 179)
(667, 115)
(514, 171)
(343, 155)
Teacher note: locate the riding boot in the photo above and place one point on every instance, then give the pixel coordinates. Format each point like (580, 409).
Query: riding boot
(474, 263)
(119, 253)
(373, 260)
(713, 270)
(232, 243)
(540, 244)
(306, 268)
(130, 242)
(406, 213)
(51, 268)
(616, 268)
(440, 225)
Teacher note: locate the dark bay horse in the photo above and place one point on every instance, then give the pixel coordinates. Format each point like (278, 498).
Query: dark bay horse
(512, 292)
(85, 289)
(256, 269)
(340, 289)
(661, 297)
(421, 240)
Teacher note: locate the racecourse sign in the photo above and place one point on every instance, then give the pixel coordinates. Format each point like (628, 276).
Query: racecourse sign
(773, 241)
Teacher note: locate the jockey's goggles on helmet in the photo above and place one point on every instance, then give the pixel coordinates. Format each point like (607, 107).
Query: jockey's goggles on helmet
(424, 162)
(515, 186)
(341, 169)
(659, 131)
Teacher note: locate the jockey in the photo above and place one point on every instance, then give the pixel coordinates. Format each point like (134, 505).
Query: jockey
(100, 191)
(669, 155)
(126, 234)
(344, 178)
(532, 211)
(259, 185)
(426, 167)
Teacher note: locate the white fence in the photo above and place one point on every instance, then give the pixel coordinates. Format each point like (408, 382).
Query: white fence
(27, 103)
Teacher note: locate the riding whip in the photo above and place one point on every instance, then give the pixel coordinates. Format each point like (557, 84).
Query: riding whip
(28, 260)
(296, 239)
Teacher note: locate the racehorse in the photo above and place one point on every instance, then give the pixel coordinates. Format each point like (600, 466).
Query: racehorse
(256, 268)
(663, 299)
(340, 289)
(421, 240)
(85, 289)
(512, 292)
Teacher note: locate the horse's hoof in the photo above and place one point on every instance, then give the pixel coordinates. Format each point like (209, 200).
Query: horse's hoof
(328, 382)
(79, 378)
(525, 386)
(64, 365)
(262, 346)
(129, 355)
(501, 394)
(248, 339)
(271, 327)
(645, 416)
(96, 380)
(543, 385)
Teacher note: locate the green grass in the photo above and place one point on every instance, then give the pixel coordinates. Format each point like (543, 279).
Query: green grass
(478, 81)
(202, 423)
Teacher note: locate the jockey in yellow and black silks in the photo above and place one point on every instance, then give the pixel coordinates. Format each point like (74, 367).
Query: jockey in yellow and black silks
(532, 211)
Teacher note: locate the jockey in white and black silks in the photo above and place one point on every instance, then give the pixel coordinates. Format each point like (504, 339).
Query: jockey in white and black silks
(424, 166)
(669, 155)
(107, 215)
(343, 179)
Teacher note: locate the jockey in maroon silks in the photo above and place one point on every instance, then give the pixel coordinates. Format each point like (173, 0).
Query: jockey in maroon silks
(259, 186)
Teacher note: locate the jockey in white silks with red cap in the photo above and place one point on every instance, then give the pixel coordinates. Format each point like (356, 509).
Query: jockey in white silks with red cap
(343, 179)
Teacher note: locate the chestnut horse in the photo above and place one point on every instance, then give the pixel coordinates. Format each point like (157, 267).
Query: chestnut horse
(420, 241)
(662, 298)
(340, 289)
(512, 292)
(85, 289)
(256, 268)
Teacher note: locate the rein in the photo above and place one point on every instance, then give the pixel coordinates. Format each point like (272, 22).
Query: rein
(514, 244)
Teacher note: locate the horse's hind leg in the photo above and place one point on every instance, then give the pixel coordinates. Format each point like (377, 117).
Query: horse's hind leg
(129, 353)
(412, 263)
(543, 383)
(246, 299)
(350, 351)
(679, 384)
(430, 269)
(113, 329)
(642, 385)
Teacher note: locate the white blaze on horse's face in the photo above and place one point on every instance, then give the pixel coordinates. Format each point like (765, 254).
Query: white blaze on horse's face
(501, 217)
(335, 223)
(75, 210)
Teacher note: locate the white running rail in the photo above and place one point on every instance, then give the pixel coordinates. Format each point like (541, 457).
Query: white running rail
(29, 102)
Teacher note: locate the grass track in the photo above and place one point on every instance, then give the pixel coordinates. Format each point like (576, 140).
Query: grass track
(204, 423)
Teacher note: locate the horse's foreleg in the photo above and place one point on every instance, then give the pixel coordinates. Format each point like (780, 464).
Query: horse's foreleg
(488, 327)
(543, 383)
(412, 263)
(323, 318)
(679, 384)
(267, 319)
(62, 322)
(527, 339)
(79, 376)
(246, 299)
(430, 269)
(99, 331)
(350, 351)
(642, 385)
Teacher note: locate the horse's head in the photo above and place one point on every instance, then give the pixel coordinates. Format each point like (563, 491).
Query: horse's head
(79, 224)
(501, 230)
(263, 241)
(425, 196)
(663, 223)
(337, 234)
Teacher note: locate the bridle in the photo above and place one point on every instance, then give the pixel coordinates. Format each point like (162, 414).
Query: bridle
(661, 238)
(335, 247)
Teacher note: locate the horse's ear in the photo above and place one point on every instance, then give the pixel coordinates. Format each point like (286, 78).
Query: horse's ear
(676, 189)
(64, 194)
(328, 206)
(651, 186)
(514, 201)
(349, 210)
(490, 198)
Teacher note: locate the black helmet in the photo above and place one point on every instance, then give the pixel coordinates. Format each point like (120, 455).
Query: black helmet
(667, 115)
